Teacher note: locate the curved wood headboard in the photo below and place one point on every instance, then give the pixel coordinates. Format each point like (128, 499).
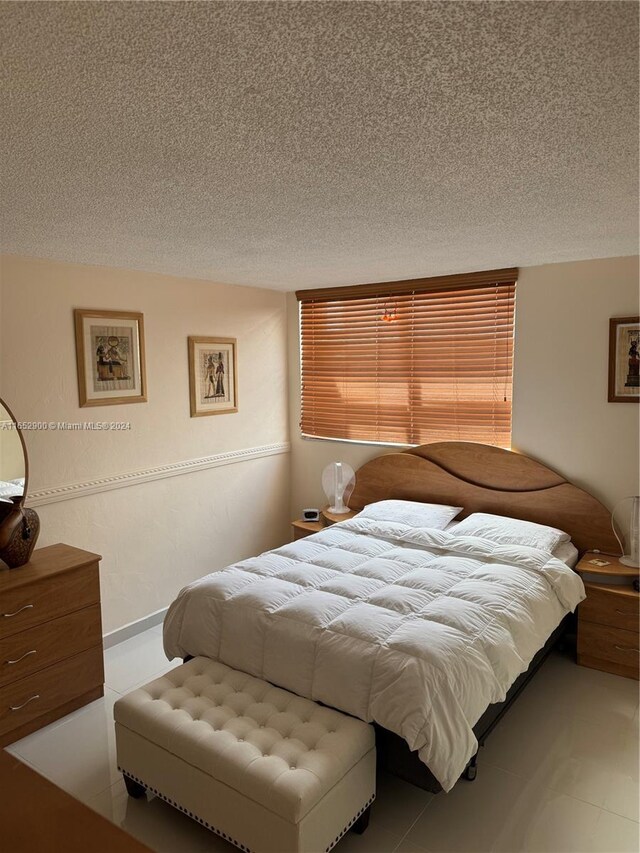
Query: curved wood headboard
(482, 478)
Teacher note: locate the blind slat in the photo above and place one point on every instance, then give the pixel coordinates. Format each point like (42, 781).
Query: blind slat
(441, 368)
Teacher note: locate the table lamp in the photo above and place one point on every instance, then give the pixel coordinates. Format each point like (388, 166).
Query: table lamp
(338, 481)
(633, 558)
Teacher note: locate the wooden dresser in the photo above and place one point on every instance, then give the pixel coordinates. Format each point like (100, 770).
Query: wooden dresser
(38, 817)
(50, 639)
(608, 618)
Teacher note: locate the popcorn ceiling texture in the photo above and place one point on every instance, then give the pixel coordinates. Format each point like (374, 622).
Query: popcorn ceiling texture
(301, 144)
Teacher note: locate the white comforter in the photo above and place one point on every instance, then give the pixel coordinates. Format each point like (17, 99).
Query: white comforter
(416, 629)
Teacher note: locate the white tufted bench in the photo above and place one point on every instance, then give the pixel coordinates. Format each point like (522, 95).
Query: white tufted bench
(265, 769)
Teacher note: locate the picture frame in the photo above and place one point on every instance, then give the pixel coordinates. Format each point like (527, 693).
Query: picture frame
(624, 360)
(110, 357)
(213, 375)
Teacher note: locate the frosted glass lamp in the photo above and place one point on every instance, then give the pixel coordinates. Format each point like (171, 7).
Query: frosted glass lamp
(633, 558)
(338, 480)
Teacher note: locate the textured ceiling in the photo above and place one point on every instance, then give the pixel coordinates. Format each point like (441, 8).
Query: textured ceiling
(301, 144)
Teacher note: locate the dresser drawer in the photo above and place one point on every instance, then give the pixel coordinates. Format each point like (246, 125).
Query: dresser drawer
(25, 606)
(53, 641)
(609, 608)
(24, 700)
(608, 644)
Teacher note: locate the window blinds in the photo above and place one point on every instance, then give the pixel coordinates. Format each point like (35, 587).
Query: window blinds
(410, 362)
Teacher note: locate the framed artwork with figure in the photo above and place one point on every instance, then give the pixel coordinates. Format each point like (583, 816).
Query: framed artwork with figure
(110, 357)
(624, 359)
(213, 376)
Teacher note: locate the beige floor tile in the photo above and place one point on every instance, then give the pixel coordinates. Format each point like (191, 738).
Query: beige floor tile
(470, 817)
(398, 804)
(578, 691)
(623, 796)
(157, 824)
(372, 841)
(584, 780)
(614, 834)
(409, 847)
(135, 661)
(631, 762)
(545, 821)
(572, 754)
(79, 753)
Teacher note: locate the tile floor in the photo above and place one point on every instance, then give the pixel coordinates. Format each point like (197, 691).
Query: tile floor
(558, 775)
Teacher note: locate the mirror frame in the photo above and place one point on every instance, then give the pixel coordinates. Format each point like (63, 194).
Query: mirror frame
(24, 450)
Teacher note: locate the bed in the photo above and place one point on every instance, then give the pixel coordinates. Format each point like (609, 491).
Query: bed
(11, 488)
(427, 633)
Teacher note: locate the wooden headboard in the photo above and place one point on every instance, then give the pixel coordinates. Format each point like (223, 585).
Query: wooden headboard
(481, 478)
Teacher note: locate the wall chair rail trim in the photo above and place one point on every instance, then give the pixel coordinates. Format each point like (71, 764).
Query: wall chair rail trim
(71, 491)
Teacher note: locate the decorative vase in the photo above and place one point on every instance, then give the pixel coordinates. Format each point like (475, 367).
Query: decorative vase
(19, 532)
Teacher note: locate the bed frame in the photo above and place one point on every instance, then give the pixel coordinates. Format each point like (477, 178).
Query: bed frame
(481, 478)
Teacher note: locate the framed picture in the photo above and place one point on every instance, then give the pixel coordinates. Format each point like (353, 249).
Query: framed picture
(213, 376)
(110, 357)
(624, 359)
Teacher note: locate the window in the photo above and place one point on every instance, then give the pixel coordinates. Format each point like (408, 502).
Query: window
(410, 362)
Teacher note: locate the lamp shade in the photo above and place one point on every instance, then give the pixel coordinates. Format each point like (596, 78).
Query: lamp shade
(633, 557)
(338, 481)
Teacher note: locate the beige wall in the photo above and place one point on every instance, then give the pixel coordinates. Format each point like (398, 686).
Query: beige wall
(560, 411)
(154, 536)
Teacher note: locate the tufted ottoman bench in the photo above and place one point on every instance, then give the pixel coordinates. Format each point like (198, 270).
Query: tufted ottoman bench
(265, 769)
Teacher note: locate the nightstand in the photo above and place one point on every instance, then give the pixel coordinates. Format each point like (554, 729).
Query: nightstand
(303, 528)
(608, 617)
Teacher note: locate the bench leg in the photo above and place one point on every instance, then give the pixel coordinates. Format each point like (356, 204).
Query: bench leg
(362, 823)
(134, 789)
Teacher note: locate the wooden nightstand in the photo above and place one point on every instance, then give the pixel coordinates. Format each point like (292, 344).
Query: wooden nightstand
(50, 639)
(608, 617)
(303, 528)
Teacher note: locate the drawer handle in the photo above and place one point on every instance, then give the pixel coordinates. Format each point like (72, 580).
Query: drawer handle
(30, 699)
(15, 612)
(22, 657)
(627, 649)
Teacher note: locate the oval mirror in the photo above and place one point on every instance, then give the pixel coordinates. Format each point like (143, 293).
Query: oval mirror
(14, 468)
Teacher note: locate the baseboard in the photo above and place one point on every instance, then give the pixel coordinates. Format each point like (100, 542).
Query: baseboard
(133, 628)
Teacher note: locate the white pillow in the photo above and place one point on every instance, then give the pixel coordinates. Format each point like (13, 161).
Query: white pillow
(411, 512)
(511, 531)
(567, 552)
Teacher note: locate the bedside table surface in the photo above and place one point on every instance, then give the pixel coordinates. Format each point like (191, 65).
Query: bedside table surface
(335, 517)
(615, 567)
(311, 526)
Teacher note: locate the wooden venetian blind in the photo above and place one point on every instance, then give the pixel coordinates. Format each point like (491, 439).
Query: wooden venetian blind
(410, 362)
